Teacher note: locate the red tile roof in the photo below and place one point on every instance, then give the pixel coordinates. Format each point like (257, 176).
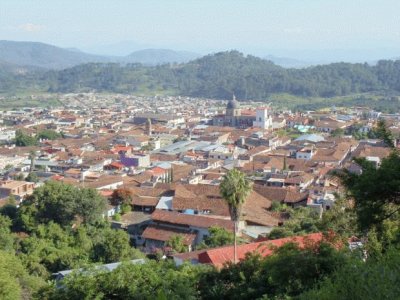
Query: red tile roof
(161, 233)
(158, 171)
(219, 256)
(116, 165)
(200, 197)
(171, 217)
(106, 193)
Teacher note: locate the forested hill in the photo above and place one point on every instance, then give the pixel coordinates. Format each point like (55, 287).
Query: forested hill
(214, 76)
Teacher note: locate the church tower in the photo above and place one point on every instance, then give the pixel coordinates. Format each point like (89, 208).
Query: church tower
(263, 119)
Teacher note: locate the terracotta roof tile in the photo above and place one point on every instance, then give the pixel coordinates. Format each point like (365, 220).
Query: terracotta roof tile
(220, 256)
(200, 197)
(162, 233)
(200, 221)
(255, 211)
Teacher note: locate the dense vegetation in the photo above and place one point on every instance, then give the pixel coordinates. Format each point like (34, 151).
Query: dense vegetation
(57, 228)
(325, 270)
(215, 76)
(23, 140)
(61, 227)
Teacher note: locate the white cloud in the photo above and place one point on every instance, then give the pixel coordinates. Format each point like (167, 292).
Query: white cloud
(30, 27)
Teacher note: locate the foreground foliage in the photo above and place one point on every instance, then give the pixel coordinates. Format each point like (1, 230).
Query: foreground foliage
(374, 279)
(34, 243)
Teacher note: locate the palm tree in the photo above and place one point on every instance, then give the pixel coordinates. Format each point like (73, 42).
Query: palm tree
(32, 156)
(235, 188)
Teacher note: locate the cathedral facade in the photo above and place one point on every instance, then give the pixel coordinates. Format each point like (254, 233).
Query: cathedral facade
(233, 116)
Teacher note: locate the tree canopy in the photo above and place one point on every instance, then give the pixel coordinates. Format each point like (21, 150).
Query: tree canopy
(376, 192)
(235, 188)
(216, 76)
(62, 204)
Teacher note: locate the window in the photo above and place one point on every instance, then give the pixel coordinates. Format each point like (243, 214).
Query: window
(259, 119)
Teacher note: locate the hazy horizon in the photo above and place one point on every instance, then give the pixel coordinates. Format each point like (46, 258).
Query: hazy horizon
(308, 30)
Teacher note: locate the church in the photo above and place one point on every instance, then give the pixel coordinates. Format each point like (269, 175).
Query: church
(233, 117)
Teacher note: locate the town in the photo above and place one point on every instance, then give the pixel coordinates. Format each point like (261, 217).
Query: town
(159, 162)
(199, 150)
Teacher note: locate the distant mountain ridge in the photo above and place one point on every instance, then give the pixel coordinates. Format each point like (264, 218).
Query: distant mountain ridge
(43, 55)
(215, 76)
(160, 56)
(287, 62)
(47, 56)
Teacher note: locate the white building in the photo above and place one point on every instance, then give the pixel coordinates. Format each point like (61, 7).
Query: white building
(263, 119)
(305, 153)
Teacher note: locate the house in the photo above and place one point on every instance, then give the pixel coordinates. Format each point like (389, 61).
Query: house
(218, 257)
(157, 236)
(138, 160)
(333, 156)
(329, 125)
(290, 195)
(192, 227)
(298, 120)
(199, 199)
(145, 199)
(114, 166)
(103, 182)
(371, 152)
(305, 153)
(19, 189)
(138, 141)
(134, 222)
(166, 119)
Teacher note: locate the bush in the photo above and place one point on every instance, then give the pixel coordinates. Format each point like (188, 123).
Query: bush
(117, 217)
(358, 280)
(125, 208)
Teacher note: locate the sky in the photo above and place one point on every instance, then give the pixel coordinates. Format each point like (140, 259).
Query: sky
(301, 29)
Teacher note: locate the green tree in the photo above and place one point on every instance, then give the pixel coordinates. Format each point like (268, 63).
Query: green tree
(6, 237)
(235, 188)
(359, 280)
(8, 167)
(32, 177)
(19, 177)
(61, 203)
(49, 134)
(218, 237)
(23, 140)
(375, 193)
(176, 243)
(125, 208)
(287, 273)
(117, 217)
(89, 205)
(383, 133)
(152, 280)
(302, 220)
(114, 246)
(341, 219)
(32, 157)
(15, 281)
(121, 196)
(339, 132)
(52, 248)
(10, 208)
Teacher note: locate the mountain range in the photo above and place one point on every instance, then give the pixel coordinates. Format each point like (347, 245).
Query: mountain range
(34, 54)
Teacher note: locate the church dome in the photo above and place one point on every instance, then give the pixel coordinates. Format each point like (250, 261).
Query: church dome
(233, 104)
